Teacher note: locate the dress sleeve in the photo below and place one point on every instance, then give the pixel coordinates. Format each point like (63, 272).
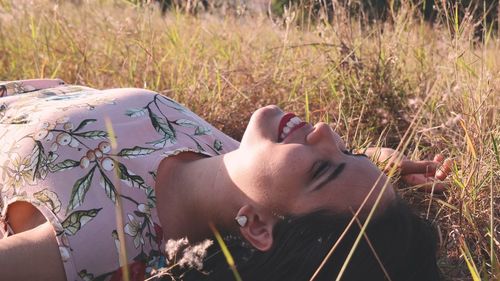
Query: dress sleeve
(9, 88)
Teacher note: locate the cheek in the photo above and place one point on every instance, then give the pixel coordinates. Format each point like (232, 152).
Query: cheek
(281, 178)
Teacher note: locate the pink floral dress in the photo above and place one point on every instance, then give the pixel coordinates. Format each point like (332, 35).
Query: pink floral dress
(72, 152)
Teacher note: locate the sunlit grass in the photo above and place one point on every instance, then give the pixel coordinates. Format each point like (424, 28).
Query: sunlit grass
(367, 81)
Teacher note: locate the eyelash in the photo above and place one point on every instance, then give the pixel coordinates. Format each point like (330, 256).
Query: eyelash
(323, 167)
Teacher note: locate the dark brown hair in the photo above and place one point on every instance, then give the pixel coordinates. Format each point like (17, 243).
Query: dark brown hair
(405, 245)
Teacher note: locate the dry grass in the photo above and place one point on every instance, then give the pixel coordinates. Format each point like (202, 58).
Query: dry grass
(368, 81)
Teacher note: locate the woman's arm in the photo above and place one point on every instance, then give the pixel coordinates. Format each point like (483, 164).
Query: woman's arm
(31, 255)
(426, 174)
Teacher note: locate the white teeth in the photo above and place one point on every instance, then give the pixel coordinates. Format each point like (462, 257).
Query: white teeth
(289, 126)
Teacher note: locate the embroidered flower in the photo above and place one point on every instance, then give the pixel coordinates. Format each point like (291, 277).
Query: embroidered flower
(143, 208)
(46, 163)
(134, 229)
(20, 171)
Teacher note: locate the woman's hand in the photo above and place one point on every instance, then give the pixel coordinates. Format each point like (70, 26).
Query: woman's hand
(427, 175)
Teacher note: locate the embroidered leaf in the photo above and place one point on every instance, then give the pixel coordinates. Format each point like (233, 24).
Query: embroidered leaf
(186, 123)
(21, 119)
(150, 194)
(49, 198)
(84, 123)
(3, 109)
(163, 142)
(52, 156)
(64, 165)
(95, 135)
(136, 112)
(137, 151)
(161, 125)
(218, 145)
(80, 189)
(36, 158)
(140, 214)
(200, 148)
(85, 275)
(153, 174)
(129, 178)
(172, 103)
(108, 186)
(203, 131)
(76, 220)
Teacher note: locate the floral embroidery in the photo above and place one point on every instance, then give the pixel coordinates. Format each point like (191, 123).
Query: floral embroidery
(73, 151)
(19, 171)
(134, 229)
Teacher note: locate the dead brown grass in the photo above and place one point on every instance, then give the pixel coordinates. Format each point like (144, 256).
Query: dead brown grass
(366, 80)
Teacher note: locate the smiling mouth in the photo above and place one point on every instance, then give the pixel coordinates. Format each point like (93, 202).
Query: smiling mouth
(288, 124)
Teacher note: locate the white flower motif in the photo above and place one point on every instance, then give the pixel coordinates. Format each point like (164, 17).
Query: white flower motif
(20, 171)
(133, 228)
(40, 135)
(144, 208)
(45, 164)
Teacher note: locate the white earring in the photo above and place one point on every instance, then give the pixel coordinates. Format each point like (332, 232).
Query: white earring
(241, 220)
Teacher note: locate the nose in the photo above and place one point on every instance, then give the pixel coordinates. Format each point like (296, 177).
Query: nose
(322, 134)
(268, 111)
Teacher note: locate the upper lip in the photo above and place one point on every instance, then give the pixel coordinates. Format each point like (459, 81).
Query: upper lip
(283, 123)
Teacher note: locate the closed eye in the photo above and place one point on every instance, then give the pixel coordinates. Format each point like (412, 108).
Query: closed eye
(320, 168)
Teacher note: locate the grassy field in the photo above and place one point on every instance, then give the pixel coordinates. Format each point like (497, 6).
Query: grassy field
(373, 83)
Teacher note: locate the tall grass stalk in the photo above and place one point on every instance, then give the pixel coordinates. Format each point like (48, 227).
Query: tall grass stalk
(369, 79)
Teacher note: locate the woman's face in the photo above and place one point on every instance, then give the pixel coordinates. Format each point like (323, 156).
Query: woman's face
(292, 167)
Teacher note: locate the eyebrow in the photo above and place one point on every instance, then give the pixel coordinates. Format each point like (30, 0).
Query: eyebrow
(332, 176)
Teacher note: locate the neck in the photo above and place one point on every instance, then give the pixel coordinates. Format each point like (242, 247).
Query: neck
(193, 191)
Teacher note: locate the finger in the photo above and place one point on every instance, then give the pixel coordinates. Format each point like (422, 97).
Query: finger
(427, 168)
(434, 187)
(444, 170)
(439, 158)
(425, 183)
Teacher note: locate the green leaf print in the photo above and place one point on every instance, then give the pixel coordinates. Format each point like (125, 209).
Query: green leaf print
(172, 104)
(49, 198)
(218, 145)
(108, 186)
(161, 125)
(136, 112)
(3, 109)
(129, 178)
(76, 220)
(64, 165)
(202, 131)
(135, 152)
(80, 189)
(187, 123)
(150, 194)
(163, 142)
(85, 275)
(36, 158)
(21, 119)
(94, 135)
(84, 123)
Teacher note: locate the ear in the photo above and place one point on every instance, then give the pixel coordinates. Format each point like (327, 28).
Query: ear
(258, 230)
